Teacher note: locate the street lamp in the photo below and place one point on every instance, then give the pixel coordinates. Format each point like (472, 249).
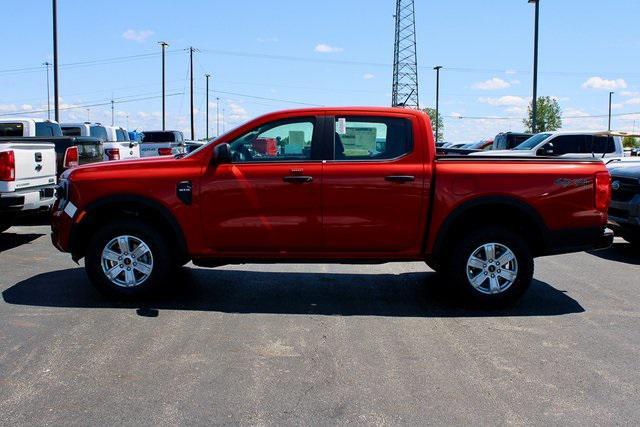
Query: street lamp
(610, 97)
(534, 104)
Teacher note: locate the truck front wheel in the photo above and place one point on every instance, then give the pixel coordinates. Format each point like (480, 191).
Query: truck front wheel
(491, 267)
(127, 259)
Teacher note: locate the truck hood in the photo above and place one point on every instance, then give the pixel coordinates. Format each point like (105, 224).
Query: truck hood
(626, 172)
(113, 165)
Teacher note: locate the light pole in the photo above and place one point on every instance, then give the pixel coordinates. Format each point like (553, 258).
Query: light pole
(610, 97)
(48, 64)
(534, 102)
(207, 101)
(217, 117)
(56, 105)
(438, 68)
(88, 114)
(193, 128)
(163, 45)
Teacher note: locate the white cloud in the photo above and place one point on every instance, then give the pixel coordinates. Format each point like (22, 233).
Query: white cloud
(511, 72)
(237, 112)
(633, 101)
(492, 84)
(604, 84)
(325, 48)
(368, 76)
(139, 36)
(505, 101)
(629, 93)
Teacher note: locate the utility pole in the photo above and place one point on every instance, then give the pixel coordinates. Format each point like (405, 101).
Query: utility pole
(88, 114)
(207, 114)
(193, 129)
(127, 121)
(534, 103)
(48, 64)
(223, 120)
(610, 98)
(55, 61)
(163, 45)
(438, 68)
(217, 116)
(112, 113)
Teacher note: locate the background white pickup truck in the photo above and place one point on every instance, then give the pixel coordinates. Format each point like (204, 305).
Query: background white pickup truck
(27, 179)
(117, 145)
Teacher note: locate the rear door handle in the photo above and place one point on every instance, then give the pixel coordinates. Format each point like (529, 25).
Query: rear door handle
(297, 179)
(400, 178)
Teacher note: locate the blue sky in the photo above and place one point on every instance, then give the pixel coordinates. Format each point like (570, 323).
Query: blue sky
(277, 54)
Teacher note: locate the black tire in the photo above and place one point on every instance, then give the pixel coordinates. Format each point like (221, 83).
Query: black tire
(634, 239)
(162, 260)
(4, 227)
(457, 269)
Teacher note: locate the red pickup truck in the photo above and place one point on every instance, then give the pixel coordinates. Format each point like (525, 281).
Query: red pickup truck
(351, 185)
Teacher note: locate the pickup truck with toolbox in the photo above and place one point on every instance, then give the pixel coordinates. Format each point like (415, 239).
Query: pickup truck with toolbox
(349, 185)
(115, 140)
(27, 178)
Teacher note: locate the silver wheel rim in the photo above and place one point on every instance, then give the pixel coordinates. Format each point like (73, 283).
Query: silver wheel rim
(127, 261)
(492, 268)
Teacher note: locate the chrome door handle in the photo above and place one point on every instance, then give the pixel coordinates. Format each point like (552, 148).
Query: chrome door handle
(400, 178)
(297, 179)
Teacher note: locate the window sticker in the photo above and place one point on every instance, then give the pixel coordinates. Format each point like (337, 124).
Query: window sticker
(341, 127)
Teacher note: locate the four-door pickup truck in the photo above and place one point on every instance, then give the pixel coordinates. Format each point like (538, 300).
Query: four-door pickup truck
(347, 185)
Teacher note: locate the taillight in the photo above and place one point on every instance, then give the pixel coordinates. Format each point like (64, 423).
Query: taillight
(164, 151)
(112, 153)
(7, 166)
(602, 187)
(70, 158)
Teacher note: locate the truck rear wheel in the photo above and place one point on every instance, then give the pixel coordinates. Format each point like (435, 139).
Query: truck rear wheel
(491, 267)
(4, 227)
(127, 259)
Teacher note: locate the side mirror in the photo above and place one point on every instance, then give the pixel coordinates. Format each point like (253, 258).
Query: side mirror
(546, 151)
(222, 154)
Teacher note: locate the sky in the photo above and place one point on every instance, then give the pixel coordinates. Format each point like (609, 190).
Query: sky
(278, 54)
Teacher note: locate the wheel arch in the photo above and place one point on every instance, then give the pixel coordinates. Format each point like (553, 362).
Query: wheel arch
(482, 211)
(126, 206)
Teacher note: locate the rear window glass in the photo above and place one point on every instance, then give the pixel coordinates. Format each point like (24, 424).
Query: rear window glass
(48, 129)
(99, 132)
(11, 129)
(151, 137)
(603, 144)
(71, 131)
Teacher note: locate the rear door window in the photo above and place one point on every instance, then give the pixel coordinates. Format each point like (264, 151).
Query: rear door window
(371, 138)
(569, 144)
(121, 135)
(48, 129)
(71, 131)
(603, 144)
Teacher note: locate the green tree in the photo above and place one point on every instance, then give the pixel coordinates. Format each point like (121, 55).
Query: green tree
(629, 142)
(548, 116)
(432, 113)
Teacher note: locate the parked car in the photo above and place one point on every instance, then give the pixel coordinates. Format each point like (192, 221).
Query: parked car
(624, 211)
(162, 143)
(481, 145)
(565, 144)
(509, 140)
(27, 178)
(354, 185)
(19, 127)
(116, 143)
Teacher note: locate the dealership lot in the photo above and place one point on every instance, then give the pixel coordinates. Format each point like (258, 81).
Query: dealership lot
(275, 344)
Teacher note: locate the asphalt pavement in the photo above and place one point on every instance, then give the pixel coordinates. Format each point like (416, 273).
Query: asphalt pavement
(317, 344)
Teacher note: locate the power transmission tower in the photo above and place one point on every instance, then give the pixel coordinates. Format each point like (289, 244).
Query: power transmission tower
(405, 58)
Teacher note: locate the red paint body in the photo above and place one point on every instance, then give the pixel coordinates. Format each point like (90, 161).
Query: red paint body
(349, 211)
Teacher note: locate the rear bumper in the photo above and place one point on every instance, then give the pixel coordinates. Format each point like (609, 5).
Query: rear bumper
(577, 240)
(41, 198)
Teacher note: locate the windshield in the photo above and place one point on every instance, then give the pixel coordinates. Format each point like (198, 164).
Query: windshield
(533, 141)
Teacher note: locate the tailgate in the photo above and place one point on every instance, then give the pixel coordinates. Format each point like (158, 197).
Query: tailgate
(35, 166)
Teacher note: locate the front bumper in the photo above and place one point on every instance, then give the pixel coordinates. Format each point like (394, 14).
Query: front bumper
(625, 215)
(578, 240)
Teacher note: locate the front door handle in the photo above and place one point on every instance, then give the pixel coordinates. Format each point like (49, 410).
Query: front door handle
(297, 179)
(400, 178)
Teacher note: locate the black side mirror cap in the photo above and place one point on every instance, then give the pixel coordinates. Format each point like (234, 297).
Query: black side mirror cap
(222, 154)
